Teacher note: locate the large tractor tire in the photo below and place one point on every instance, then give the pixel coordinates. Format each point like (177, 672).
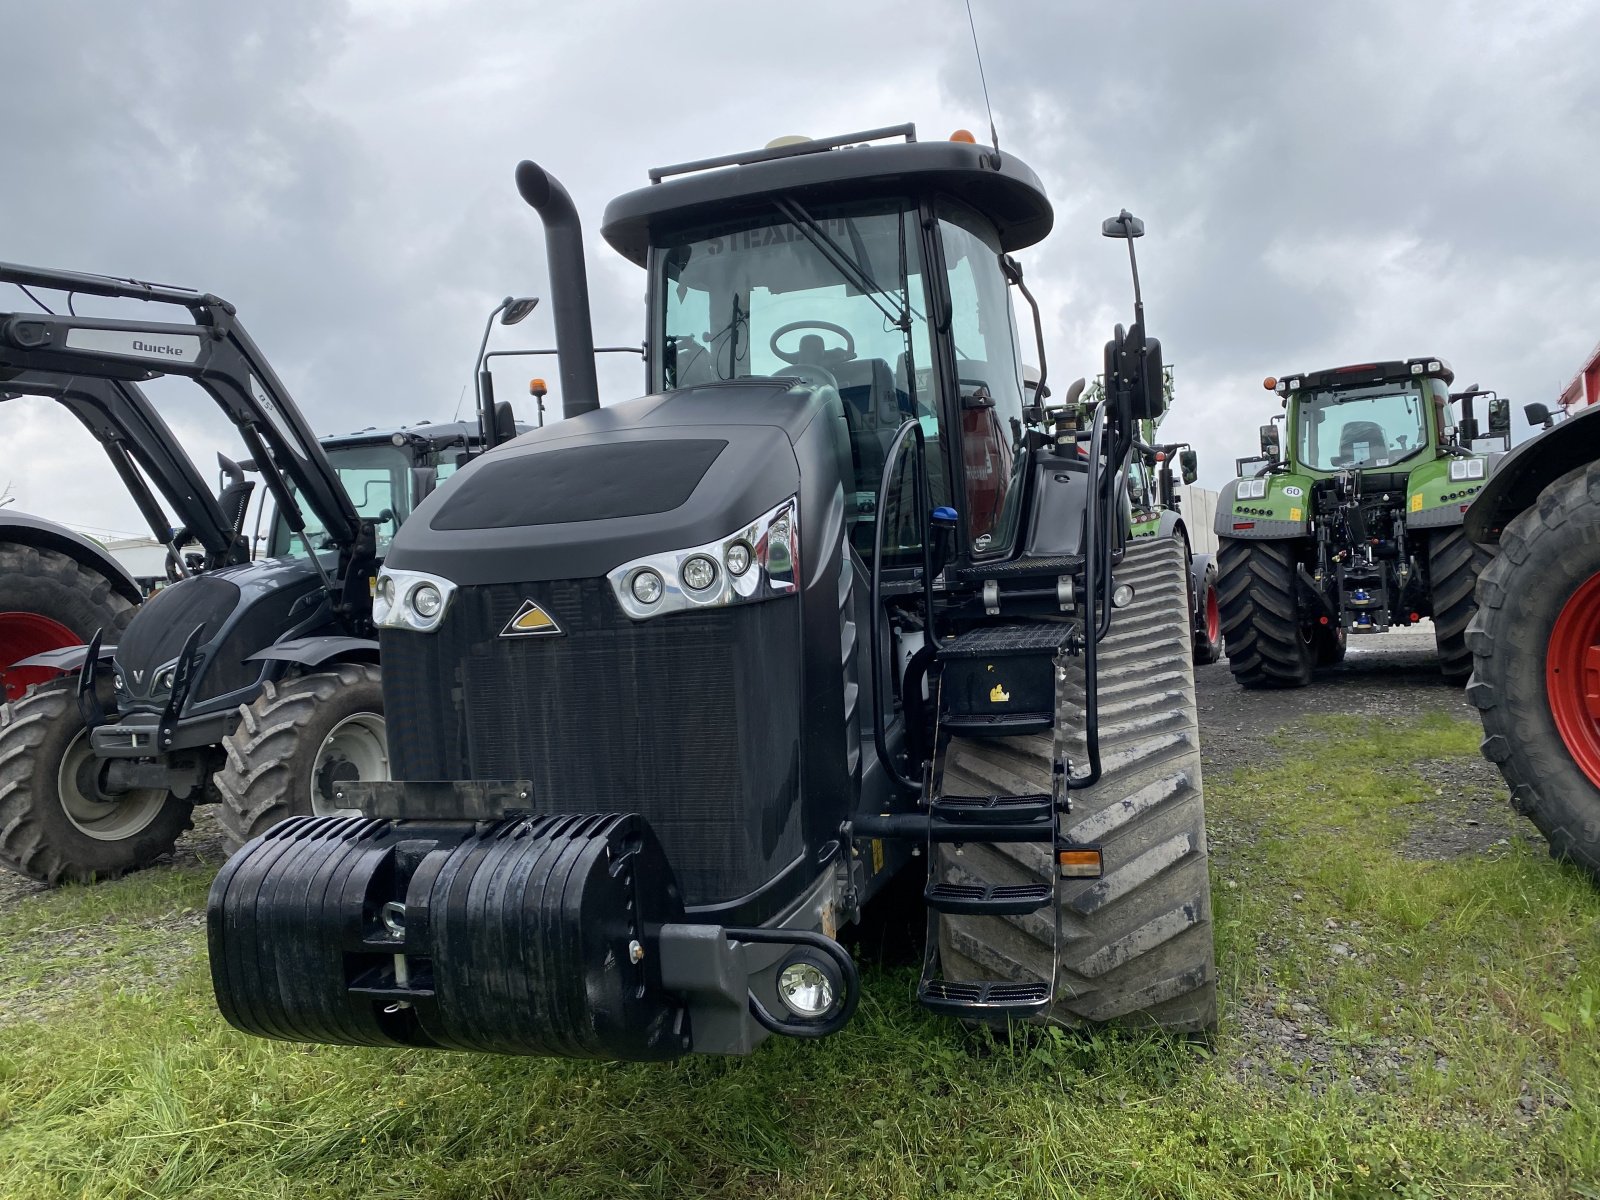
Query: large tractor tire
(1268, 647)
(296, 743)
(1536, 664)
(1208, 620)
(47, 601)
(55, 822)
(1137, 944)
(1454, 564)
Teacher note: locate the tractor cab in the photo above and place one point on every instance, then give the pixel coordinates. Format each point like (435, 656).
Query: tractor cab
(889, 291)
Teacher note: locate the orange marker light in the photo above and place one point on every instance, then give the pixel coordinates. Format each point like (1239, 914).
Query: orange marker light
(1079, 864)
(1270, 383)
(536, 387)
(1161, 456)
(963, 135)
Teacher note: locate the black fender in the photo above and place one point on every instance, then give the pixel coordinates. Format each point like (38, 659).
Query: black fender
(315, 651)
(66, 658)
(23, 529)
(1516, 481)
(1171, 524)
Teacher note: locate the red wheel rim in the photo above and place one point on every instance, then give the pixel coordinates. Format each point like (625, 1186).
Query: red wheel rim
(1572, 677)
(1213, 616)
(23, 635)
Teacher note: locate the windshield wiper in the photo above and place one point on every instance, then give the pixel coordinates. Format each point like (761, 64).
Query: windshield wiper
(854, 273)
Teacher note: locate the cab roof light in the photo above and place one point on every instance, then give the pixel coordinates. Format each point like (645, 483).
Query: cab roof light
(1270, 383)
(964, 135)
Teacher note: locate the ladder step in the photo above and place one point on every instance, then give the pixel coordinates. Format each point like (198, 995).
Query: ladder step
(1018, 724)
(988, 899)
(998, 810)
(984, 997)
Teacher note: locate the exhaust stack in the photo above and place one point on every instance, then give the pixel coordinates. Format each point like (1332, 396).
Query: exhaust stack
(569, 286)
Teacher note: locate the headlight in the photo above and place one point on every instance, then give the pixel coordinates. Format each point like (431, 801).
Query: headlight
(699, 572)
(1251, 489)
(762, 561)
(411, 600)
(646, 586)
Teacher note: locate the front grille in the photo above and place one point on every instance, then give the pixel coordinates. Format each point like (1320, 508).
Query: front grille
(692, 720)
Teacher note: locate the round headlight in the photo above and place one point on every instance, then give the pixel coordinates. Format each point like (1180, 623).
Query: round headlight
(806, 990)
(386, 589)
(425, 598)
(1122, 596)
(647, 586)
(738, 558)
(698, 572)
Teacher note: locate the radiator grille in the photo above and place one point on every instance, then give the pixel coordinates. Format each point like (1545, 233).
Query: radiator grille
(692, 720)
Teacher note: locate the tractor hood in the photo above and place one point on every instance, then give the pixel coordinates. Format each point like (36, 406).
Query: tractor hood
(662, 472)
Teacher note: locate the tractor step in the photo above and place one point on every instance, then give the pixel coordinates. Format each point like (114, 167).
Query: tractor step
(996, 810)
(983, 997)
(988, 900)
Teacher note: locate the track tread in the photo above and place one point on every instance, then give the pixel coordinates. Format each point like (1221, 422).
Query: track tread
(1137, 944)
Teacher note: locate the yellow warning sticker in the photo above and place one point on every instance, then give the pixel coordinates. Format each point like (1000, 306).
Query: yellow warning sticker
(1416, 502)
(877, 855)
(1294, 514)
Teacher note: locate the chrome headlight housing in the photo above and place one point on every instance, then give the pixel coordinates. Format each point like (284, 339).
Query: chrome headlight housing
(413, 600)
(758, 562)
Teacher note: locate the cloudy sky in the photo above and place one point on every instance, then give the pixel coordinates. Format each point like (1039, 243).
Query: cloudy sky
(1321, 183)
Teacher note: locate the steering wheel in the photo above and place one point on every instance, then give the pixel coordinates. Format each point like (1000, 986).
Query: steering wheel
(829, 357)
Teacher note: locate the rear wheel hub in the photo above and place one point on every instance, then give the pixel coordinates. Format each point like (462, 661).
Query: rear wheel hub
(1572, 676)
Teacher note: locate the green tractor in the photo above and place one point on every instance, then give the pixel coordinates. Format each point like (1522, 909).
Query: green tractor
(1358, 527)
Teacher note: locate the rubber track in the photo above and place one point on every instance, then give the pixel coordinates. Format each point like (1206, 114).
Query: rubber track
(257, 780)
(1508, 652)
(1256, 592)
(1454, 564)
(1137, 944)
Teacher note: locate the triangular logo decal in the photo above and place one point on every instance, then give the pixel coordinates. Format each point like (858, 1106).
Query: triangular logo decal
(530, 621)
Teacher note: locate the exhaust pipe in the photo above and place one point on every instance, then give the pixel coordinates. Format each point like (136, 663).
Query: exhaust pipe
(569, 283)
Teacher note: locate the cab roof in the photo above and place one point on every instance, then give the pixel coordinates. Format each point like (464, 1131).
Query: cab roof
(1363, 374)
(999, 186)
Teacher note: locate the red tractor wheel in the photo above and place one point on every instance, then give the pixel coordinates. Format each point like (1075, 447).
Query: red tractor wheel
(1535, 643)
(22, 635)
(1572, 676)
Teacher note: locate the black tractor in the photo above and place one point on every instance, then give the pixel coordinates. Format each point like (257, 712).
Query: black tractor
(677, 686)
(57, 588)
(253, 683)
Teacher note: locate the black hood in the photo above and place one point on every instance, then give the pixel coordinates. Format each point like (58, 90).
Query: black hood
(577, 499)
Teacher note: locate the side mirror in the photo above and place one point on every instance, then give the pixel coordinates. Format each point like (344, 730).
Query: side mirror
(1271, 444)
(423, 481)
(1189, 465)
(1537, 414)
(516, 308)
(505, 422)
(1499, 417)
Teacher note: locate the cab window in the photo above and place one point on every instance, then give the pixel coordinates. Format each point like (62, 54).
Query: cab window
(989, 370)
(377, 480)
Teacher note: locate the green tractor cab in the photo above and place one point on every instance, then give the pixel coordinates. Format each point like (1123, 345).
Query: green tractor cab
(1350, 521)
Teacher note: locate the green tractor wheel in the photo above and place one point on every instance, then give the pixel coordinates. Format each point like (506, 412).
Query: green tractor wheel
(1268, 645)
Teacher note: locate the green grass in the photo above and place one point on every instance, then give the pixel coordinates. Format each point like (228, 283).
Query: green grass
(1476, 977)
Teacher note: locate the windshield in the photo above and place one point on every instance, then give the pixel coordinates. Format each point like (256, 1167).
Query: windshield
(1351, 428)
(833, 296)
(378, 482)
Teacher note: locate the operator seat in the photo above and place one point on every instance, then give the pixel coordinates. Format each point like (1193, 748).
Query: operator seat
(1352, 437)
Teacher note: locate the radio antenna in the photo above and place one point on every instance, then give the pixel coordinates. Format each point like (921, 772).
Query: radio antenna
(994, 134)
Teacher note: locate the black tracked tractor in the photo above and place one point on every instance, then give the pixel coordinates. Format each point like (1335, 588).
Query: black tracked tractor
(262, 674)
(676, 686)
